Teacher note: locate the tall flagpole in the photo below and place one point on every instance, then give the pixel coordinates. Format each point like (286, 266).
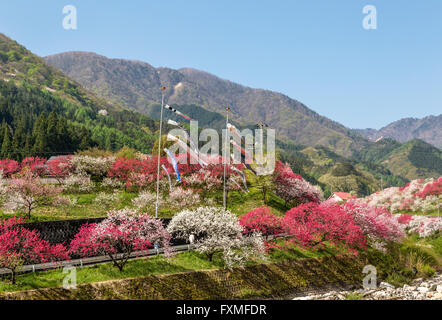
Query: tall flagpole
(159, 152)
(227, 144)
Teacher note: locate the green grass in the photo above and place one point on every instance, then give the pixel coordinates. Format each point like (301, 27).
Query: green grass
(84, 208)
(419, 213)
(354, 296)
(241, 203)
(135, 268)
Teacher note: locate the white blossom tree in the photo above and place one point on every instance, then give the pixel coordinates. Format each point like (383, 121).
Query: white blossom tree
(216, 230)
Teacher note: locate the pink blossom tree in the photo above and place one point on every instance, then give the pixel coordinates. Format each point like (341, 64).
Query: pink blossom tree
(292, 187)
(27, 192)
(20, 246)
(376, 223)
(119, 235)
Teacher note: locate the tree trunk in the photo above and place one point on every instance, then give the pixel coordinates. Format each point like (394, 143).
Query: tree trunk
(13, 276)
(227, 198)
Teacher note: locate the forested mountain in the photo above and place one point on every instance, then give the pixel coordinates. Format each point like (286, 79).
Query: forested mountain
(136, 84)
(333, 172)
(42, 112)
(428, 129)
(412, 160)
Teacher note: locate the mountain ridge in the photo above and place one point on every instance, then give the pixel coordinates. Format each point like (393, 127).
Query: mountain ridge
(428, 129)
(136, 85)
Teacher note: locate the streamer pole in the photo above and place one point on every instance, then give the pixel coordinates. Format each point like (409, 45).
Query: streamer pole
(159, 152)
(227, 145)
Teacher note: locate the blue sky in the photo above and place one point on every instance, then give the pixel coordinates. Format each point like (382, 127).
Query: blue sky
(315, 51)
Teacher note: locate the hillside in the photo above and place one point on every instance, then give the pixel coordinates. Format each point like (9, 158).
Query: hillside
(136, 84)
(428, 129)
(43, 112)
(413, 160)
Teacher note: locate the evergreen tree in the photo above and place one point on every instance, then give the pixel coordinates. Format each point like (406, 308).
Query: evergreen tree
(52, 136)
(41, 143)
(6, 145)
(27, 149)
(18, 139)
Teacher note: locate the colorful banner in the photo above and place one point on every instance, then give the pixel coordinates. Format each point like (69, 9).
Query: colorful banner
(174, 163)
(177, 112)
(168, 176)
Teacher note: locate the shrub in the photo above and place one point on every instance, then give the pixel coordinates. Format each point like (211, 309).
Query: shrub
(111, 183)
(424, 226)
(20, 246)
(180, 197)
(78, 184)
(106, 199)
(145, 200)
(217, 231)
(93, 166)
(203, 179)
(428, 271)
(405, 218)
(122, 232)
(134, 172)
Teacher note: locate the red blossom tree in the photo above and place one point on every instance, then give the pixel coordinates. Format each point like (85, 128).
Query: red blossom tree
(60, 167)
(312, 224)
(142, 173)
(405, 219)
(261, 220)
(122, 168)
(20, 246)
(35, 164)
(432, 188)
(9, 167)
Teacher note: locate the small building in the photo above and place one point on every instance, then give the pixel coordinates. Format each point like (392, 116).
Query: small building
(341, 197)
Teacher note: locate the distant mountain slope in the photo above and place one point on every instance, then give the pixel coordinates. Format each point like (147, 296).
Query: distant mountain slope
(412, 160)
(34, 95)
(428, 129)
(136, 84)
